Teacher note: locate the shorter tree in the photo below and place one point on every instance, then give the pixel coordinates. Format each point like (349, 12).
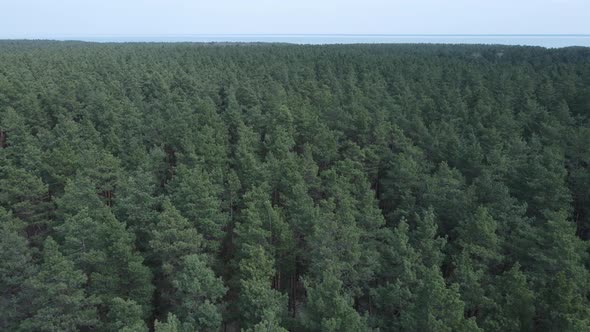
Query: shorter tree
(330, 309)
(198, 293)
(172, 324)
(125, 316)
(58, 300)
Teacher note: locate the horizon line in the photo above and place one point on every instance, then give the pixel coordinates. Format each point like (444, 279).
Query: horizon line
(309, 34)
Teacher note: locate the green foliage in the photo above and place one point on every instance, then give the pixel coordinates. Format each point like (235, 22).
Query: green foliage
(514, 303)
(426, 241)
(136, 205)
(267, 325)
(256, 264)
(58, 301)
(172, 238)
(20, 146)
(258, 301)
(560, 258)
(563, 308)
(329, 309)
(197, 198)
(16, 267)
(25, 195)
(301, 188)
(198, 293)
(125, 315)
(79, 194)
(172, 324)
(446, 193)
(436, 306)
(100, 246)
(477, 257)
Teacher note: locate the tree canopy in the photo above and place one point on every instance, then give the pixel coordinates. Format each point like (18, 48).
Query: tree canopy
(274, 187)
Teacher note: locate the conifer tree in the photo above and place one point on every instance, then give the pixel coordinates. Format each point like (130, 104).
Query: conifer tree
(513, 307)
(125, 316)
(197, 198)
(136, 205)
(26, 196)
(18, 144)
(478, 257)
(58, 301)
(259, 224)
(257, 300)
(197, 295)
(172, 324)
(16, 267)
(100, 246)
(436, 307)
(557, 270)
(329, 308)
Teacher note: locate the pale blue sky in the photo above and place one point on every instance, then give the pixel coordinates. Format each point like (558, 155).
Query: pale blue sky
(46, 18)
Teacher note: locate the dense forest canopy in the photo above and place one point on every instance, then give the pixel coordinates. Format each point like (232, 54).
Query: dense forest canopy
(271, 187)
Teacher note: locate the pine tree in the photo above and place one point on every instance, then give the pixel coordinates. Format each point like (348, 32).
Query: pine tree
(397, 277)
(278, 137)
(445, 192)
(16, 267)
(335, 242)
(257, 300)
(18, 144)
(267, 325)
(69, 140)
(197, 198)
(541, 181)
(211, 135)
(347, 229)
(555, 248)
(26, 196)
(173, 237)
(562, 307)
(401, 183)
(172, 324)
(435, 306)
(136, 205)
(100, 246)
(79, 193)
(102, 169)
(197, 295)
(246, 152)
(125, 316)
(414, 296)
(513, 303)
(329, 308)
(426, 241)
(58, 301)
(477, 259)
(562, 298)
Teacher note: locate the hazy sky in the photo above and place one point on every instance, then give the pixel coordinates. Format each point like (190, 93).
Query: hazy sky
(46, 18)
